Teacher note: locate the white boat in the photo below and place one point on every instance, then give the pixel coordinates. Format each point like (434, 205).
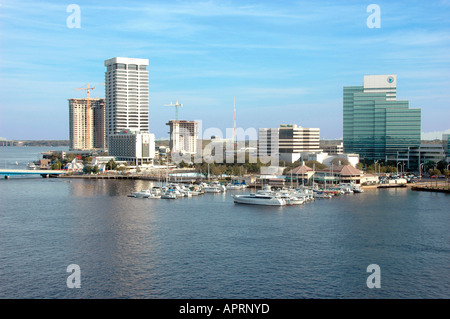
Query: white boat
(142, 194)
(214, 187)
(259, 199)
(322, 195)
(236, 186)
(31, 165)
(357, 189)
(169, 195)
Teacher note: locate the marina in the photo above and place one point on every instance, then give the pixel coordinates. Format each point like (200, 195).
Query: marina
(208, 246)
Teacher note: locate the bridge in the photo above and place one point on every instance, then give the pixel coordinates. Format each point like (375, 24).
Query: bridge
(43, 172)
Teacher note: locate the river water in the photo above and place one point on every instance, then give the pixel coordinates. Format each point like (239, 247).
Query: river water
(210, 247)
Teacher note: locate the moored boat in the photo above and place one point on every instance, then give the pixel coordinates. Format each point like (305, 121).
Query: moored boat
(259, 199)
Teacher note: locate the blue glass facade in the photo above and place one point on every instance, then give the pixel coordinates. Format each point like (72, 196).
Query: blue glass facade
(376, 126)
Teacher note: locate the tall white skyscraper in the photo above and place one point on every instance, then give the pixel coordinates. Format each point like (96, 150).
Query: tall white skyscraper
(126, 94)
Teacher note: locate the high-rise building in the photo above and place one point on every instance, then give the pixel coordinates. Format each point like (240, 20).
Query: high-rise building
(376, 125)
(446, 145)
(99, 126)
(183, 136)
(126, 94)
(289, 141)
(85, 123)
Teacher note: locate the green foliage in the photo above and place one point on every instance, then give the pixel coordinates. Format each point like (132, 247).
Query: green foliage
(341, 160)
(434, 171)
(95, 169)
(87, 169)
(111, 165)
(315, 164)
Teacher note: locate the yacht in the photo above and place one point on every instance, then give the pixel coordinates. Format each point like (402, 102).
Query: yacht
(169, 195)
(214, 187)
(322, 195)
(145, 193)
(259, 199)
(235, 186)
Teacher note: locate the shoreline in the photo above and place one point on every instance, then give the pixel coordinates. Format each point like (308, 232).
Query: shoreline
(425, 186)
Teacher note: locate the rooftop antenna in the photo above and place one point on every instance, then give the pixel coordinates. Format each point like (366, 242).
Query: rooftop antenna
(234, 119)
(88, 89)
(176, 108)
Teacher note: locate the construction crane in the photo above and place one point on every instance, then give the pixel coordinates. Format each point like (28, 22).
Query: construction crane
(88, 114)
(176, 108)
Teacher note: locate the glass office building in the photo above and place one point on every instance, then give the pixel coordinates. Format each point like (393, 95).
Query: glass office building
(376, 125)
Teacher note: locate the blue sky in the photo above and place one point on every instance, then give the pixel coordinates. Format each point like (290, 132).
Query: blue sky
(283, 61)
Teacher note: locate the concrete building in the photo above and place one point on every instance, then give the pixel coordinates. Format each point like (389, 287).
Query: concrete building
(339, 174)
(446, 146)
(132, 146)
(289, 141)
(86, 123)
(99, 126)
(333, 149)
(425, 153)
(183, 136)
(375, 124)
(328, 159)
(126, 94)
(268, 142)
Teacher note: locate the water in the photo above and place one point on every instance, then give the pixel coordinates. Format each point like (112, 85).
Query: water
(209, 247)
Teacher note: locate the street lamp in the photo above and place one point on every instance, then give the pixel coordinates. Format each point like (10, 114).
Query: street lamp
(420, 170)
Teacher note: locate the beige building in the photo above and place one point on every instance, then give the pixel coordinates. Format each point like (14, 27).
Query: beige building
(85, 123)
(289, 141)
(183, 136)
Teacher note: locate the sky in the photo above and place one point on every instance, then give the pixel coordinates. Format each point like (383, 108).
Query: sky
(284, 62)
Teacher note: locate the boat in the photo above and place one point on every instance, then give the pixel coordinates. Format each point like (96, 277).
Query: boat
(292, 199)
(322, 195)
(259, 199)
(31, 166)
(169, 195)
(142, 194)
(234, 186)
(357, 189)
(214, 187)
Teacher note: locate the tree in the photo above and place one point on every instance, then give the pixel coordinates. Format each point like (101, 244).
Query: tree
(87, 169)
(95, 169)
(56, 165)
(441, 165)
(183, 164)
(315, 164)
(434, 171)
(340, 161)
(111, 165)
(87, 160)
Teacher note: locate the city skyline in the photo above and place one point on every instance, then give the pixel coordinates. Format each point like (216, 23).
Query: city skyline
(284, 63)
